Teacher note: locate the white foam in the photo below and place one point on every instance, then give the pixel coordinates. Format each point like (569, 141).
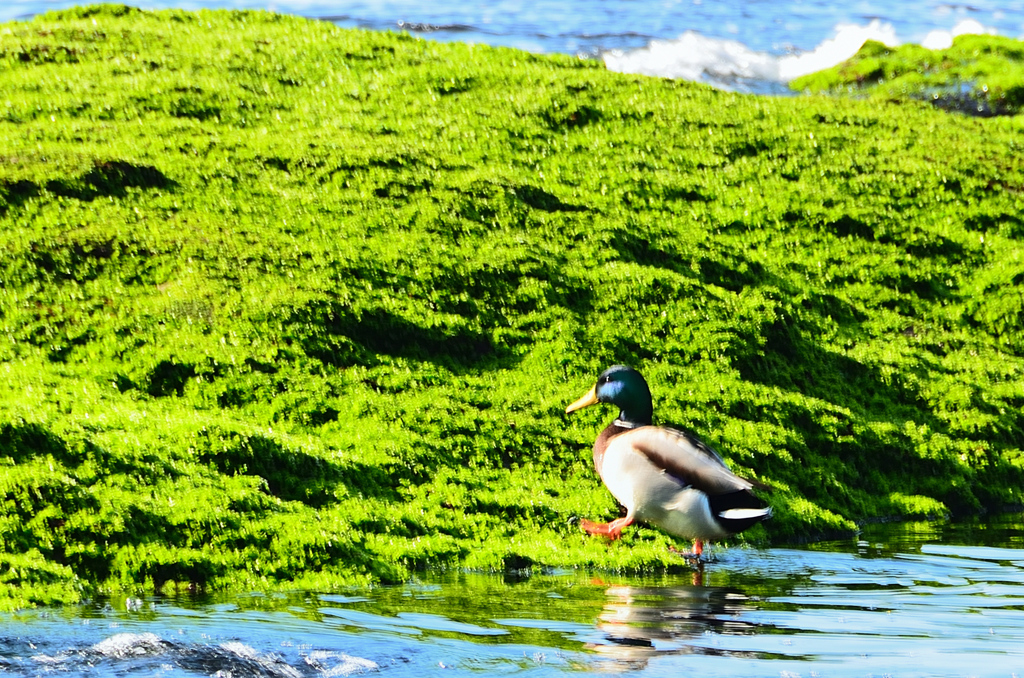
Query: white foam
(272, 664)
(129, 645)
(848, 39)
(724, 63)
(241, 649)
(348, 665)
(944, 39)
(691, 57)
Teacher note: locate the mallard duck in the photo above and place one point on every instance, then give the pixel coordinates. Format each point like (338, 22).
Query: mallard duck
(664, 477)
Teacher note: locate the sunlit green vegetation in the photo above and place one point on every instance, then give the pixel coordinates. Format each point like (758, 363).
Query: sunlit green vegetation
(290, 305)
(978, 75)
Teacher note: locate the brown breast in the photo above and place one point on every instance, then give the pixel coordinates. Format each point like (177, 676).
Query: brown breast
(601, 444)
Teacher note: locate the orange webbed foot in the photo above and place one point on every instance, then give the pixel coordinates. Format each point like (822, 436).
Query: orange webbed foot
(612, 530)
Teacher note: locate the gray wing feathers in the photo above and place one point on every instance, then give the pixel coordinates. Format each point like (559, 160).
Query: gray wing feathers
(686, 458)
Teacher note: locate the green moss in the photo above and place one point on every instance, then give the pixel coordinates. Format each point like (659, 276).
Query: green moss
(978, 74)
(289, 305)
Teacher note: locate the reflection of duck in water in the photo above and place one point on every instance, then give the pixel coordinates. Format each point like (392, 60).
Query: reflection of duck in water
(662, 476)
(642, 622)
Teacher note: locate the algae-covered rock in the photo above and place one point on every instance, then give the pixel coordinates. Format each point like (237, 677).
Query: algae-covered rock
(978, 75)
(286, 305)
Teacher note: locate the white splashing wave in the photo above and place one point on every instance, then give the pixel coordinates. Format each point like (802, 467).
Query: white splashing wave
(728, 63)
(123, 645)
(944, 39)
(849, 38)
(268, 664)
(333, 664)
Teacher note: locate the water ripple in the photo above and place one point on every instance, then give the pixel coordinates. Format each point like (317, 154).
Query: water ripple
(901, 603)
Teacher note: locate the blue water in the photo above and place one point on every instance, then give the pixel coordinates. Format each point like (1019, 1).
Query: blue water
(755, 45)
(918, 600)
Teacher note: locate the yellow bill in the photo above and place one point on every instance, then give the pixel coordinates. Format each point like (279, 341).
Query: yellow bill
(589, 399)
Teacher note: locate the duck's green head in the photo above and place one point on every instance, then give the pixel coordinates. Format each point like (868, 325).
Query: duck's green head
(624, 387)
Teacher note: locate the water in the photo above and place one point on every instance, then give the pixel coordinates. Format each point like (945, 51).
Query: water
(747, 45)
(914, 600)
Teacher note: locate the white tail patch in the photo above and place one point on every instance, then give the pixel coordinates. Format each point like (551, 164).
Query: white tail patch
(745, 513)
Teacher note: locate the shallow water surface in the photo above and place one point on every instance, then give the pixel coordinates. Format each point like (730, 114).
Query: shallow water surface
(916, 600)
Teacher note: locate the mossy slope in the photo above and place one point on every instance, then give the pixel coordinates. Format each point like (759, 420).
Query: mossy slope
(977, 75)
(285, 304)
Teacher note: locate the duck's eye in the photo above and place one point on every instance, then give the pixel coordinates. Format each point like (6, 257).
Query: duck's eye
(605, 379)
